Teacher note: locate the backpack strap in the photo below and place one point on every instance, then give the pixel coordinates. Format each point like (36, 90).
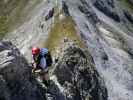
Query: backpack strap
(38, 62)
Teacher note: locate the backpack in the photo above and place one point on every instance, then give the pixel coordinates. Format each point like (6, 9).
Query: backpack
(46, 54)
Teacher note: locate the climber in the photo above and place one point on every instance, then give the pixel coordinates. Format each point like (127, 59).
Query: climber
(41, 61)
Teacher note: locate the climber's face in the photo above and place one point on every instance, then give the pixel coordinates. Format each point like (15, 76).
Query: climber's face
(36, 56)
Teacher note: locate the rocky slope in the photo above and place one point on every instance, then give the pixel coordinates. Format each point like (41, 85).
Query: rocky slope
(33, 32)
(14, 13)
(108, 34)
(16, 81)
(72, 78)
(105, 27)
(77, 76)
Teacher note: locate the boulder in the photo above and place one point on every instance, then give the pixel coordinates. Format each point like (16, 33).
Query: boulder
(77, 75)
(16, 81)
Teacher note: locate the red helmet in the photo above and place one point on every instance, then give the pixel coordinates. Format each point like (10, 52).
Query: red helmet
(35, 50)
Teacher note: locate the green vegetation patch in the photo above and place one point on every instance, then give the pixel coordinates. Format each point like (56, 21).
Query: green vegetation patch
(62, 28)
(20, 11)
(13, 13)
(127, 4)
(3, 25)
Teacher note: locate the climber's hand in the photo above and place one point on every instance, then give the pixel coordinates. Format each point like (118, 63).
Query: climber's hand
(33, 70)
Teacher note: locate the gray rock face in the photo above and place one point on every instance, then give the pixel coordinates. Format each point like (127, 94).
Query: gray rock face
(109, 42)
(65, 8)
(128, 16)
(108, 8)
(74, 70)
(76, 73)
(131, 1)
(16, 82)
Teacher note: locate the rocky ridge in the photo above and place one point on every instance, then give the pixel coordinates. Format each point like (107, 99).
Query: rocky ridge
(16, 81)
(73, 76)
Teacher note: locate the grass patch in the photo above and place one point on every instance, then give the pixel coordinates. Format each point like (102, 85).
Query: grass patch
(127, 5)
(62, 28)
(20, 12)
(14, 13)
(3, 25)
